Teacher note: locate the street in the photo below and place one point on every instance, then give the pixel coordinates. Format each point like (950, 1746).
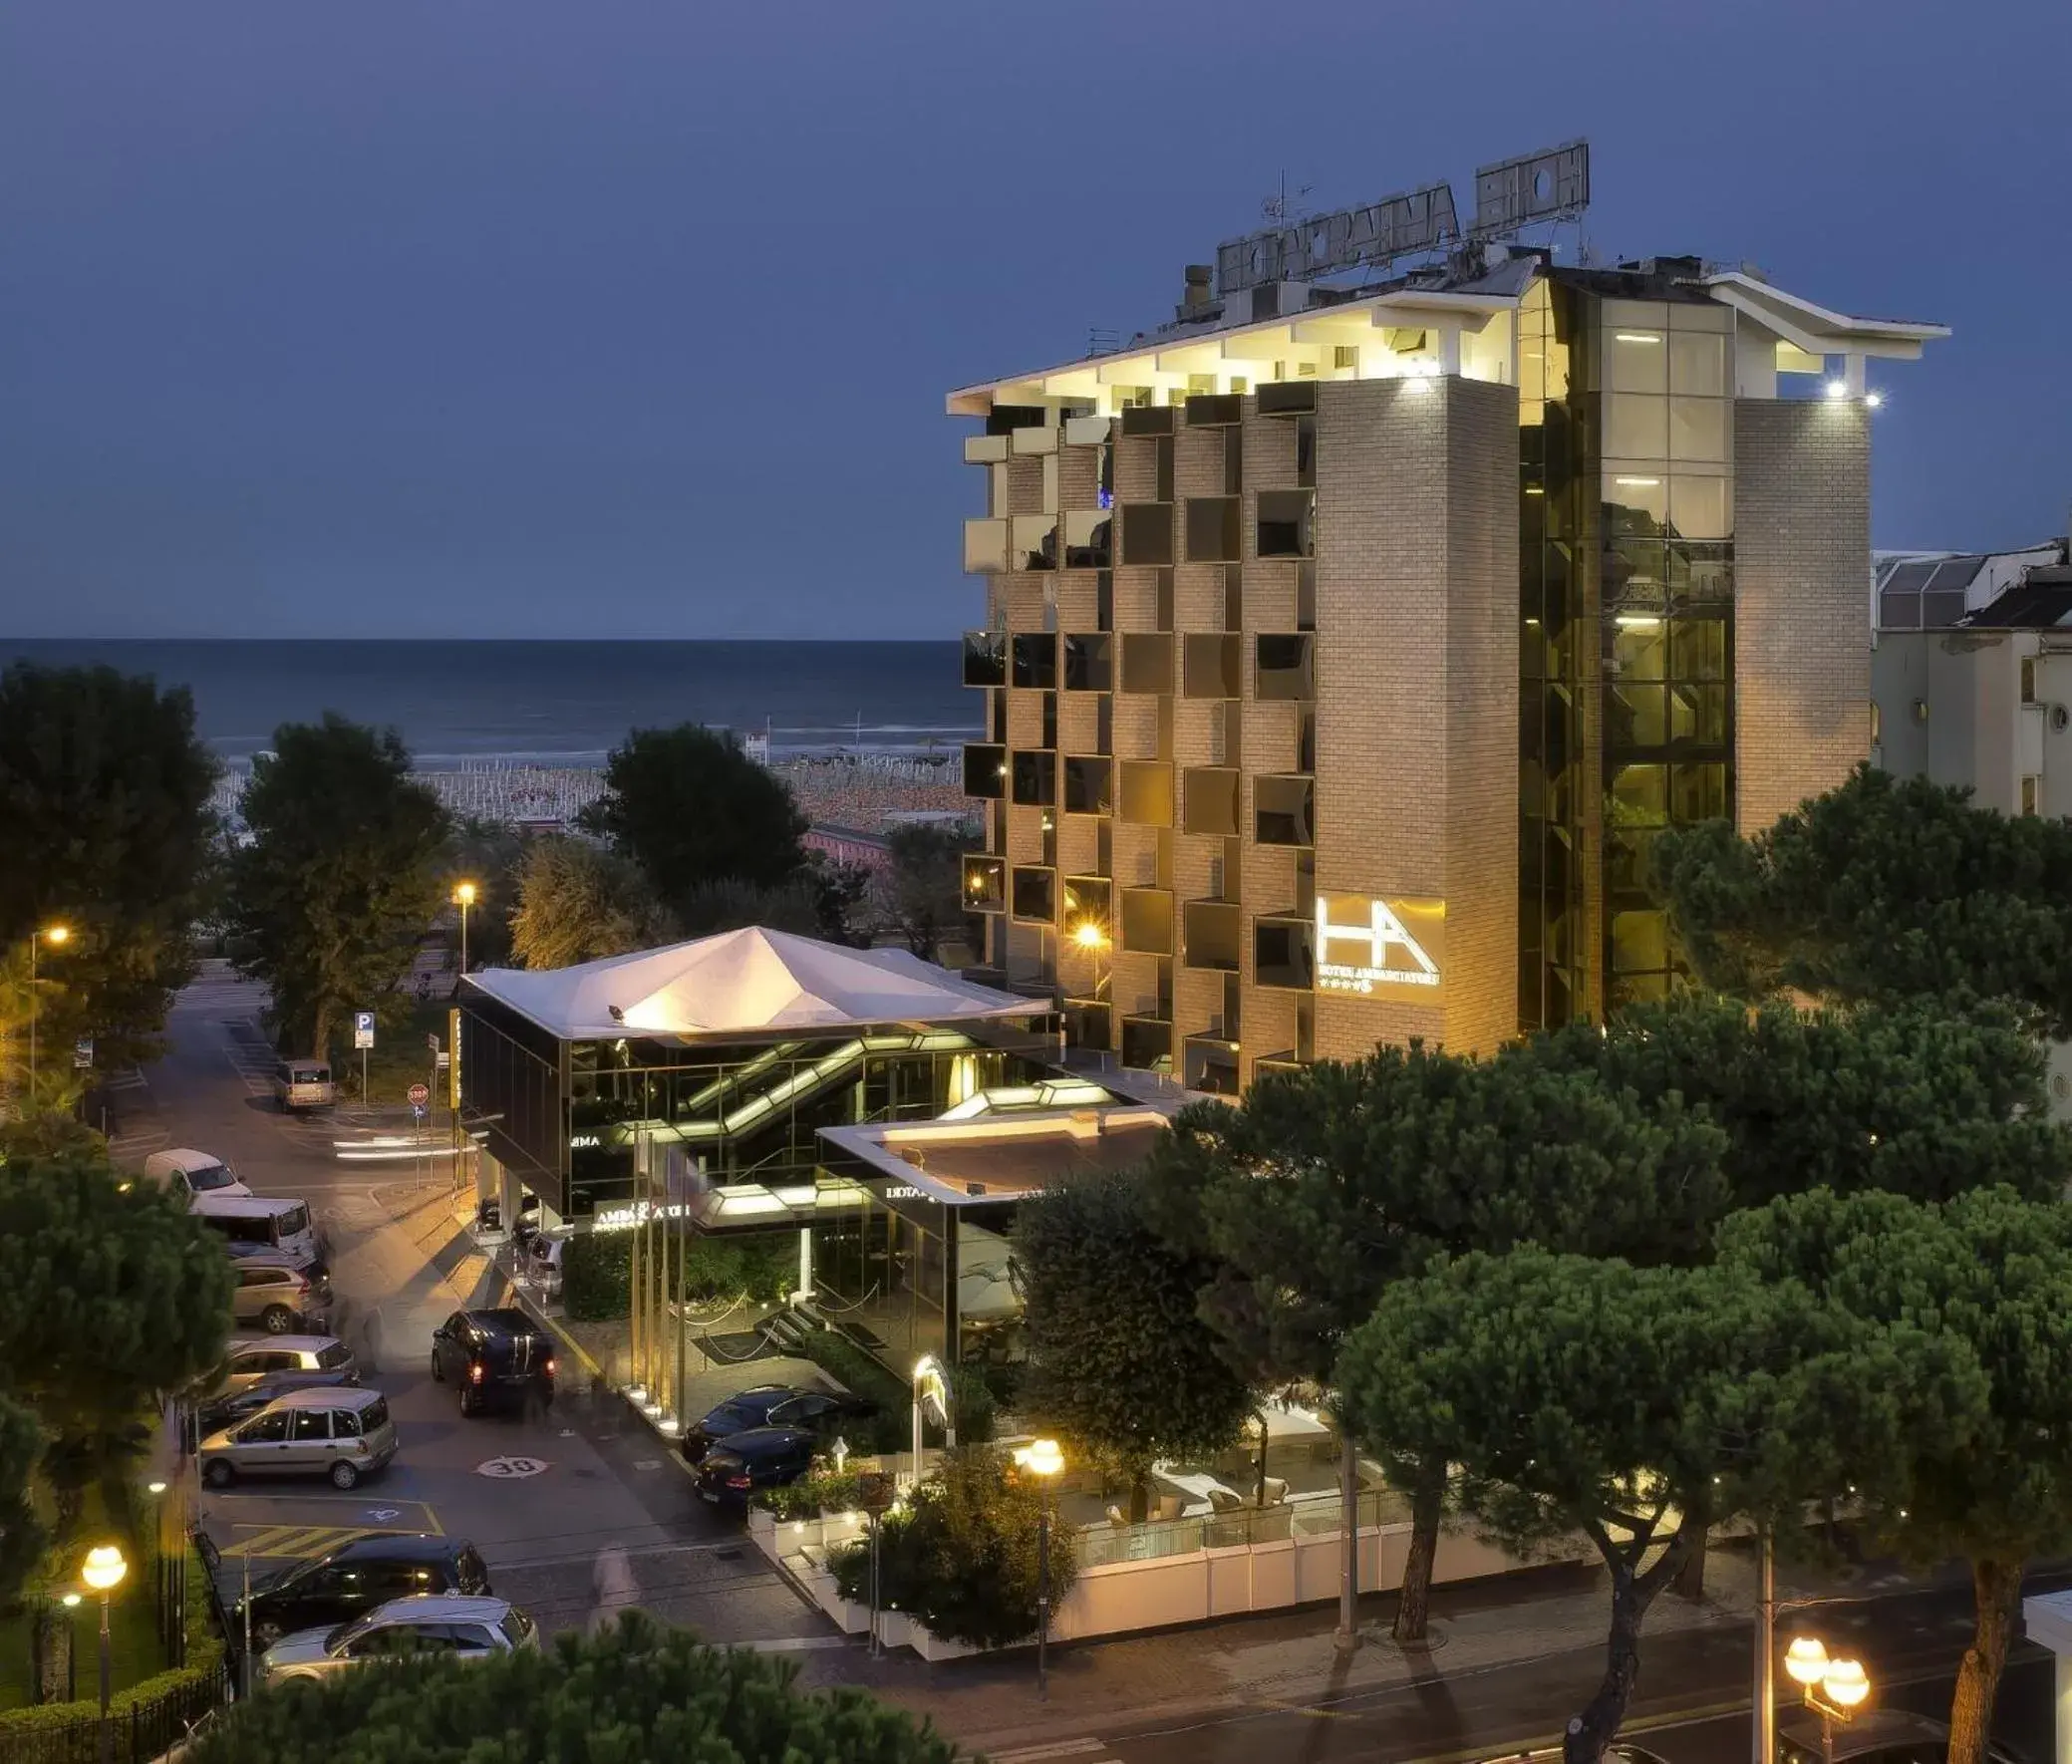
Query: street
(577, 1510)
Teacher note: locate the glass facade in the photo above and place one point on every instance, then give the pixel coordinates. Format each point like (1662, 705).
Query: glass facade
(1627, 567)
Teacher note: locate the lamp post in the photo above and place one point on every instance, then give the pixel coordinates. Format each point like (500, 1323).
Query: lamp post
(1042, 1460)
(104, 1573)
(1834, 1688)
(1093, 937)
(464, 898)
(53, 935)
(70, 1604)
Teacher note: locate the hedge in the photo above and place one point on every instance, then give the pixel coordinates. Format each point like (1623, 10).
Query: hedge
(597, 1277)
(597, 1271)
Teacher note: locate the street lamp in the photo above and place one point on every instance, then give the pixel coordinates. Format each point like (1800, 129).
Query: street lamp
(1093, 937)
(1041, 1459)
(1834, 1688)
(71, 1605)
(464, 898)
(53, 935)
(103, 1572)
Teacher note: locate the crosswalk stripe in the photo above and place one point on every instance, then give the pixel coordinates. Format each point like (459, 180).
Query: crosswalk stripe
(1063, 1748)
(296, 1539)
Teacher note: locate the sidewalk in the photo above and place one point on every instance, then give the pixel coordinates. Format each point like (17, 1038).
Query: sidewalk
(1284, 1661)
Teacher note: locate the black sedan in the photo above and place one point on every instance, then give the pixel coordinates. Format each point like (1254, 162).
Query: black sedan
(353, 1579)
(494, 1357)
(762, 1457)
(774, 1406)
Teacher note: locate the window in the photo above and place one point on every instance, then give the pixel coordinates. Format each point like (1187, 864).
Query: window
(1286, 523)
(1212, 800)
(2028, 680)
(1212, 529)
(375, 1415)
(1087, 785)
(1214, 665)
(267, 1430)
(345, 1424)
(1088, 667)
(1035, 779)
(1284, 810)
(309, 1424)
(984, 657)
(331, 1358)
(1284, 670)
(1147, 533)
(984, 769)
(1035, 894)
(2031, 790)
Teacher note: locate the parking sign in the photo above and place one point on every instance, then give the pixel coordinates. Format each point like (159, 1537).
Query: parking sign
(362, 1029)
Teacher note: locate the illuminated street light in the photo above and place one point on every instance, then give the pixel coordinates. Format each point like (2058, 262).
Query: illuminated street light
(464, 898)
(103, 1571)
(56, 935)
(1834, 1688)
(1806, 1660)
(1090, 936)
(1042, 1460)
(1838, 389)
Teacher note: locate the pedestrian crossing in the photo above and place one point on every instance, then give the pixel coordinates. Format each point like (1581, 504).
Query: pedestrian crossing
(1094, 1751)
(220, 994)
(301, 1543)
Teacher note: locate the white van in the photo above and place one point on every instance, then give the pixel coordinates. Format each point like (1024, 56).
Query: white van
(191, 1173)
(281, 1225)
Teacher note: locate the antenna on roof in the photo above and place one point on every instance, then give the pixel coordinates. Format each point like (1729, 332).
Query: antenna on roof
(1283, 209)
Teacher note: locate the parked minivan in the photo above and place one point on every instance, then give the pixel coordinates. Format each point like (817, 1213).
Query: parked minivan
(191, 1173)
(303, 1083)
(269, 1221)
(342, 1434)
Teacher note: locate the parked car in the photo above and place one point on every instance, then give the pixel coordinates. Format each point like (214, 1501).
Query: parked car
(762, 1457)
(468, 1628)
(492, 1356)
(342, 1434)
(277, 1297)
(260, 1222)
(216, 1415)
(353, 1579)
(774, 1405)
(303, 1083)
(277, 1357)
(543, 1261)
(190, 1173)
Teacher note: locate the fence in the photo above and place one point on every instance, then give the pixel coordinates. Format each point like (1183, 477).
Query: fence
(1155, 1540)
(147, 1728)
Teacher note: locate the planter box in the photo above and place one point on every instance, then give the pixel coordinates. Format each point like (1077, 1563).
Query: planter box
(895, 1629)
(851, 1613)
(931, 1646)
(763, 1526)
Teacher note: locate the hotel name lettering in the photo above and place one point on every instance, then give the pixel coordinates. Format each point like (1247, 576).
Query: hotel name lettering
(1368, 944)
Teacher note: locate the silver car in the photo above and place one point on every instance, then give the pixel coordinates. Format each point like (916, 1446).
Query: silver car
(424, 1623)
(342, 1433)
(253, 1361)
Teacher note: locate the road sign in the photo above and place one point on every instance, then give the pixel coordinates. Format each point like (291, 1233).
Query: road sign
(362, 1029)
(419, 1098)
(83, 1054)
(432, 1043)
(508, 1469)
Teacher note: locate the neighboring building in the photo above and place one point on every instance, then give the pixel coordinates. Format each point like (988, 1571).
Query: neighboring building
(1977, 692)
(1345, 649)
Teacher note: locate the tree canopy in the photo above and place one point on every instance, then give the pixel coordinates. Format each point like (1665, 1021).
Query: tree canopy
(577, 902)
(637, 1693)
(1882, 887)
(1636, 1407)
(490, 855)
(342, 876)
(1924, 1098)
(1992, 1272)
(922, 889)
(689, 806)
(1118, 1359)
(105, 794)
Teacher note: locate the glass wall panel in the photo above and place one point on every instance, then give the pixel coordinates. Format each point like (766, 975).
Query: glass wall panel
(1698, 364)
(1636, 361)
(1285, 667)
(1284, 953)
(984, 769)
(985, 882)
(1286, 523)
(1212, 928)
(986, 658)
(1214, 665)
(1212, 800)
(1698, 429)
(1147, 921)
(1698, 507)
(1035, 779)
(1088, 662)
(1147, 662)
(1089, 538)
(1147, 792)
(1284, 810)
(1147, 533)
(1035, 658)
(1087, 785)
(1035, 894)
(1212, 529)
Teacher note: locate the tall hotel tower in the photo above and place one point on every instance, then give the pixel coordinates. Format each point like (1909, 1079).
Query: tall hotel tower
(1344, 648)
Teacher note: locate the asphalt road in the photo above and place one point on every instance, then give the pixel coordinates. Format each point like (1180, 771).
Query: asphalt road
(577, 1510)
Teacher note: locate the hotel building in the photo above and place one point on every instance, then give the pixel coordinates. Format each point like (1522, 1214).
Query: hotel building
(1344, 649)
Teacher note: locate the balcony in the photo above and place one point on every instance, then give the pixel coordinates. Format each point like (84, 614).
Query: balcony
(1089, 900)
(984, 657)
(1032, 544)
(1086, 431)
(1223, 410)
(1209, 1063)
(1287, 398)
(985, 883)
(1147, 1043)
(1035, 439)
(1149, 420)
(985, 770)
(984, 543)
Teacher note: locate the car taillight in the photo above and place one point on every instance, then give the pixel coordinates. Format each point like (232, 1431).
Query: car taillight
(475, 1372)
(740, 1481)
(548, 1367)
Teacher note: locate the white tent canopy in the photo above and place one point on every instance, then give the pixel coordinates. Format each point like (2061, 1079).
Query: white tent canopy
(744, 983)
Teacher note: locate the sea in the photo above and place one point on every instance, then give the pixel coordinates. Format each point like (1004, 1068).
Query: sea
(461, 705)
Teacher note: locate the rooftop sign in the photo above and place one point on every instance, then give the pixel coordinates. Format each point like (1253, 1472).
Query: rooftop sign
(1552, 184)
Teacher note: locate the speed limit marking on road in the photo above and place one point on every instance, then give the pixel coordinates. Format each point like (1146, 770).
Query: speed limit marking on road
(509, 1469)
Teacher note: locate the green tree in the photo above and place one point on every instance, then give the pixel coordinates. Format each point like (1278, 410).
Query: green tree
(105, 794)
(636, 1691)
(1118, 1356)
(341, 877)
(22, 1532)
(924, 887)
(1326, 1185)
(1637, 1408)
(1882, 887)
(962, 1554)
(577, 902)
(714, 907)
(490, 855)
(689, 806)
(1926, 1098)
(1992, 1272)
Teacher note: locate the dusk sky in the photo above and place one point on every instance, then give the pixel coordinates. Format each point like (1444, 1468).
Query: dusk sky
(633, 318)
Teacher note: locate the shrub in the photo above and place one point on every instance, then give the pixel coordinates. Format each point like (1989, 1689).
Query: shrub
(971, 1405)
(891, 1428)
(962, 1554)
(761, 1270)
(597, 1276)
(812, 1496)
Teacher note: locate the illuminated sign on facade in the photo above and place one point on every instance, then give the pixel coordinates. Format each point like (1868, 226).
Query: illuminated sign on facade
(1367, 945)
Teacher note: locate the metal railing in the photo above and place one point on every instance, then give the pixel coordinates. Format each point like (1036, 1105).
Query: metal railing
(147, 1728)
(1098, 1546)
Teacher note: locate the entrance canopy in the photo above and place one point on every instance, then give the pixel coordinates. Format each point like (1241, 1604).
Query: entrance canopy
(742, 984)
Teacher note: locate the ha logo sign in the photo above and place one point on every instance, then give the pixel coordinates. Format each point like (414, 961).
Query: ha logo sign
(1369, 945)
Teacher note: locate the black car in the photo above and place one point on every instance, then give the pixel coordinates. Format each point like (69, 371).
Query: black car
(353, 1579)
(774, 1405)
(493, 1356)
(228, 1409)
(762, 1457)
